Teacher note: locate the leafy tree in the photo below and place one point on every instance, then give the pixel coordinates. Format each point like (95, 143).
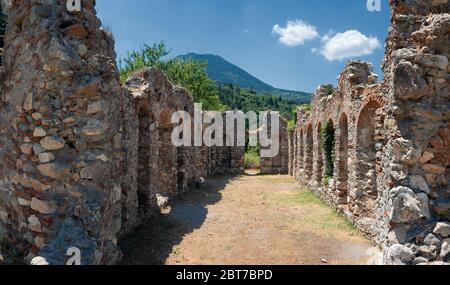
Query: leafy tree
(148, 56)
(187, 73)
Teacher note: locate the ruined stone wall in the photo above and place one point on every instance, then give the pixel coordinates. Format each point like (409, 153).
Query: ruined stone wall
(60, 144)
(351, 188)
(416, 159)
(391, 153)
(163, 169)
(83, 160)
(280, 163)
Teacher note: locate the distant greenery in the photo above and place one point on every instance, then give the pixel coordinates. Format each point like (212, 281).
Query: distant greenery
(191, 73)
(224, 72)
(187, 73)
(252, 159)
(245, 99)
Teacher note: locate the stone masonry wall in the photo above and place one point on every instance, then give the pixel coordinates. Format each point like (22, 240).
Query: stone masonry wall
(83, 160)
(391, 152)
(280, 163)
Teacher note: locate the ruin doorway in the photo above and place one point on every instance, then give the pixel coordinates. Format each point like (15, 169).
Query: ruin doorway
(319, 155)
(366, 158)
(328, 145)
(144, 163)
(309, 152)
(342, 161)
(169, 158)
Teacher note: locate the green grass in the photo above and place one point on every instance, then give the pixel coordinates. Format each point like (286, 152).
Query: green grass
(318, 215)
(302, 197)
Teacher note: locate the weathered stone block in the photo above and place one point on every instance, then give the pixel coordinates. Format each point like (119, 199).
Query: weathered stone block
(43, 207)
(53, 143)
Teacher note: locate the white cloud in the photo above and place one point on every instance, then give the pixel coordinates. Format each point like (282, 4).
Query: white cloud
(348, 44)
(295, 33)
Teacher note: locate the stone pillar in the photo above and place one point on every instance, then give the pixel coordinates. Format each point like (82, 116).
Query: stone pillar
(416, 160)
(60, 134)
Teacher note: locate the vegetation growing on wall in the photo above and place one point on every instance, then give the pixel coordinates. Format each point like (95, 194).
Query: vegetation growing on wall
(328, 146)
(187, 73)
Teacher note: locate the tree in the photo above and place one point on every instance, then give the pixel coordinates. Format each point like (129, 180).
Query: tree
(187, 73)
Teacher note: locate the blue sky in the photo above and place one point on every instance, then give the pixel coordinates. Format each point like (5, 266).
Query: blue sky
(290, 44)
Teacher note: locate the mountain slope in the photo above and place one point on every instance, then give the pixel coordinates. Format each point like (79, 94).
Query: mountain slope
(224, 72)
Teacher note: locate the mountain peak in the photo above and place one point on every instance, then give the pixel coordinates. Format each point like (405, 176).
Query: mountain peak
(224, 72)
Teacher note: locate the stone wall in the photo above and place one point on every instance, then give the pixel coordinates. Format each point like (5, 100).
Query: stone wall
(83, 160)
(280, 163)
(391, 152)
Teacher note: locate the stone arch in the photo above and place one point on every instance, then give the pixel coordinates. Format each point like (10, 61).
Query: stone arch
(318, 155)
(341, 167)
(329, 131)
(309, 152)
(366, 155)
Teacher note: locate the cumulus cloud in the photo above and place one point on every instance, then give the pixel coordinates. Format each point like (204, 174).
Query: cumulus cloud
(347, 45)
(295, 33)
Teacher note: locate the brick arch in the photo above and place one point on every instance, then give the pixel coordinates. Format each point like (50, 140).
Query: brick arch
(374, 100)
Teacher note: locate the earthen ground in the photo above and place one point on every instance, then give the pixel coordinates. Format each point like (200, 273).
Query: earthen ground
(261, 220)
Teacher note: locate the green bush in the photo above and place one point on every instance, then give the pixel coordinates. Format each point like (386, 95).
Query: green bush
(252, 158)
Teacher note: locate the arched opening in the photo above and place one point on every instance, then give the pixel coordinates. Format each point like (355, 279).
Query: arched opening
(328, 147)
(300, 153)
(144, 160)
(366, 157)
(309, 153)
(342, 160)
(319, 155)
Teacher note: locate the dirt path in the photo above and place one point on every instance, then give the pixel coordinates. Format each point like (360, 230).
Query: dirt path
(248, 220)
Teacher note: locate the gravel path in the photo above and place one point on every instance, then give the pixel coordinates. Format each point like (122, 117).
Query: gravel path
(248, 220)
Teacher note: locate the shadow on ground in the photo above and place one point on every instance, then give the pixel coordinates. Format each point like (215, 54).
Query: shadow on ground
(153, 243)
